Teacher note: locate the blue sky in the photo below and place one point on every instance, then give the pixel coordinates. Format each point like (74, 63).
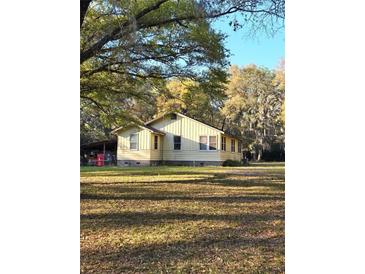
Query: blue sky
(261, 50)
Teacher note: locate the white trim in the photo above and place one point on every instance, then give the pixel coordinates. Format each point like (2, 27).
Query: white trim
(239, 146)
(173, 143)
(225, 143)
(216, 143)
(208, 142)
(205, 143)
(137, 142)
(154, 142)
(234, 145)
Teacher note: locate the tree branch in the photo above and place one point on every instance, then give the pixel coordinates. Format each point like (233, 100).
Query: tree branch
(85, 55)
(95, 103)
(117, 33)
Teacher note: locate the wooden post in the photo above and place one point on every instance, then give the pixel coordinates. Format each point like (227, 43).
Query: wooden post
(104, 152)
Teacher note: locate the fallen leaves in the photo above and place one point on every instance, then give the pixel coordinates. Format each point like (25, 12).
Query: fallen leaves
(184, 220)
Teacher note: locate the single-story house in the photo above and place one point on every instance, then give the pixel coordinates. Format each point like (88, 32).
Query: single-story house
(175, 139)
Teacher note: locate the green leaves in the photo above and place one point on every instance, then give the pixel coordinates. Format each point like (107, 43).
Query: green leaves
(129, 49)
(123, 75)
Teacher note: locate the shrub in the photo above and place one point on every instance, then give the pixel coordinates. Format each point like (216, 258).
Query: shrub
(232, 163)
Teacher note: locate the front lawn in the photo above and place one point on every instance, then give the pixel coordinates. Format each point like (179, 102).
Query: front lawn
(183, 219)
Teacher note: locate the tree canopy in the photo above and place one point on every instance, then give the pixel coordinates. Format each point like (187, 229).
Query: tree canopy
(142, 57)
(255, 100)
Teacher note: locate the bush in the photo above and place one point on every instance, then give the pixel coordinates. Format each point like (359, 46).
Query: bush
(232, 163)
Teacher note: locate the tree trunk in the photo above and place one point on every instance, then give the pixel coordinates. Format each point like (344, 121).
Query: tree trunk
(259, 154)
(224, 123)
(84, 5)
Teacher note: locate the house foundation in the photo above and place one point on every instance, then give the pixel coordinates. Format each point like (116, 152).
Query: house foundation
(134, 163)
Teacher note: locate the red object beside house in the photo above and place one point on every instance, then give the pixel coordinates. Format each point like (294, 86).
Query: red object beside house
(100, 159)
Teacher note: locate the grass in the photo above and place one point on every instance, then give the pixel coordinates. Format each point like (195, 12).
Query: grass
(183, 219)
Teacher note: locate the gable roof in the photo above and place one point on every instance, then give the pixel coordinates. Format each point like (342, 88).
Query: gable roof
(151, 129)
(204, 123)
(183, 115)
(156, 131)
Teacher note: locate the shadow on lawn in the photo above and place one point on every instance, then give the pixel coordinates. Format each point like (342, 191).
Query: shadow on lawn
(154, 191)
(150, 183)
(151, 197)
(155, 172)
(255, 180)
(260, 181)
(118, 220)
(259, 233)
(228, 244)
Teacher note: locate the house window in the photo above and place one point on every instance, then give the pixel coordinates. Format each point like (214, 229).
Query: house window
(173, 116)
(233, 145)
(239, 147)
(212, 142)
(177, 142)
(133, 141)
(224, 144)
(156, 142)
(205, 140)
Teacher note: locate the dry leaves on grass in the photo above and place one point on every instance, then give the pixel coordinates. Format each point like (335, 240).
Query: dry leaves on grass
(185, 220)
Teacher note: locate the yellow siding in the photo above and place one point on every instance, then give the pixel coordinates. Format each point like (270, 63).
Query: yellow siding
(228, 155)
(144, 145)
(189, 130)
(156, 154)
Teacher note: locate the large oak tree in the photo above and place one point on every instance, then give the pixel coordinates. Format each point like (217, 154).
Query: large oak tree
(128, 49)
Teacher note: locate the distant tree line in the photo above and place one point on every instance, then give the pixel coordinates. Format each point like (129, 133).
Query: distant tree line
(251, 105)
